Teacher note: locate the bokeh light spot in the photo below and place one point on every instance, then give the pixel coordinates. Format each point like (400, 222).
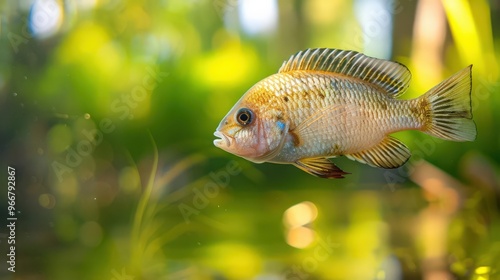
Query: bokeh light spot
(258, 16)
(91, 234)
(229, 66)
(45, 18)
(67, 189)
(300, 214)
(47, 200)
(59, 138)
(242, 266)
(482, 270)
(296, 219)
(300, 237)
(129, 180)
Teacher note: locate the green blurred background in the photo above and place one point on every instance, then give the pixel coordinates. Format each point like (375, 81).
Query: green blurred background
(108, 109)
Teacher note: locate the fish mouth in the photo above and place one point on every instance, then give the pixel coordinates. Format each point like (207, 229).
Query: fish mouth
(223, 139)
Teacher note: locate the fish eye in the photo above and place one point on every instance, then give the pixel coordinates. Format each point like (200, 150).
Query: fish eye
(244, 116)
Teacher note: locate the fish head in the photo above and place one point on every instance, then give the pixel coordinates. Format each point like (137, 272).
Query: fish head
(251, 131)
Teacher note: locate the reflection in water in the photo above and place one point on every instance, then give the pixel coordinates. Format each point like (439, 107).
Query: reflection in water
(443, 195)
(258, 16)
(297, 220)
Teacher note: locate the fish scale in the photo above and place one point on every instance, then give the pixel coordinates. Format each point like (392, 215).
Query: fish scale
(325, 103)
(332, 137)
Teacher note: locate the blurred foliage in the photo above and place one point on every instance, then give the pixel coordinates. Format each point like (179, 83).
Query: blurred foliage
(108, 119)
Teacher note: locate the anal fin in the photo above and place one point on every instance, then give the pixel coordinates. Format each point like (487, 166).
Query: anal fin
(320, 167)
(390, 153)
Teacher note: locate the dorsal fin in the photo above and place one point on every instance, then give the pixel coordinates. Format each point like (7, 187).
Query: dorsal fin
(392, 77)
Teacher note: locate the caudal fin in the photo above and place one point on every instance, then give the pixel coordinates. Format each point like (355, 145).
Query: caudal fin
(449, 113)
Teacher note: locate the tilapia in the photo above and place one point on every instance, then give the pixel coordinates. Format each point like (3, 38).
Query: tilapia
(324, 103)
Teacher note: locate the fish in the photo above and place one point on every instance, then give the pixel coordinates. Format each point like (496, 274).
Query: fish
(325, 103)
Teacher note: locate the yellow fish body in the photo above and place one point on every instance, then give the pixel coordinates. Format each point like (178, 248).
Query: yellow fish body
(325, 103)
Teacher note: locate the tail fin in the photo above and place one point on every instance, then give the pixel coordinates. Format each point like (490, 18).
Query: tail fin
(449, 114)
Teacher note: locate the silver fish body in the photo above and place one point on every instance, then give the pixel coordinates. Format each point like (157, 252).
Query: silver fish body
(325, 103)
(357, 105)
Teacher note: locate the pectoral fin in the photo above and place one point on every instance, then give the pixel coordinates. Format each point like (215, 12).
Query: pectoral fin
(320, 167)
(314, 126)
(390, 153)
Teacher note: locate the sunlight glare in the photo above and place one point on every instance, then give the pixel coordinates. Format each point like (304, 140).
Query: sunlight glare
(300, 237)
(45, 18)
(258, 16)
(296, 219)
(375, 18)
(300, 214)
(482, 270)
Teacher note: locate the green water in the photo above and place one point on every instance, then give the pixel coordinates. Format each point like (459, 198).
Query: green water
(108, 113)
